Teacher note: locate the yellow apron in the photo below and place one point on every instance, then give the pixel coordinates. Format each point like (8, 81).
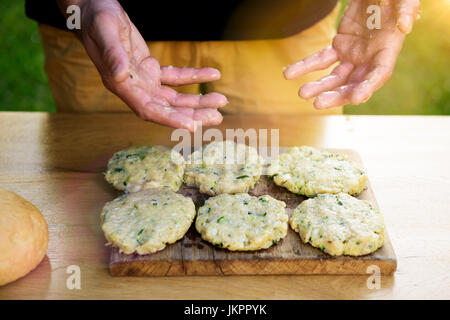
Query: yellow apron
(252, 76)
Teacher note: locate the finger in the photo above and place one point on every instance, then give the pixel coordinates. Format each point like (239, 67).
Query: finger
(408, 12)
(317, 61)
(210, 100)
(334, 98)
(138, 46)
(153, 108)
(167, 116)
(337, 78)
(208, 117)
(181, 76)
(358, 74)
(369, 84)
(186, 111)
(382, 68)
(105, 33)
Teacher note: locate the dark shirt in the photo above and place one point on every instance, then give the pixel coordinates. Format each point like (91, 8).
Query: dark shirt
(202, 20)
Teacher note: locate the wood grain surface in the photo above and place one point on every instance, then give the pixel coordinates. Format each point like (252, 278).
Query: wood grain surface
(56, 161)
(192, 256)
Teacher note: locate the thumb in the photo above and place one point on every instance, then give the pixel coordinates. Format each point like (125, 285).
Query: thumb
(408, 12)
(107, 32)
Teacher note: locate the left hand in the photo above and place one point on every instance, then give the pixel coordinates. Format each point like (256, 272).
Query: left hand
(367, 57)
(127, 69)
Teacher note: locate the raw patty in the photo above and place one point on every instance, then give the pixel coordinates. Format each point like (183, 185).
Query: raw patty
(144, 167)
(309, 171)
(215, 170)
(242, 222)
(339, 224)
(145, 221)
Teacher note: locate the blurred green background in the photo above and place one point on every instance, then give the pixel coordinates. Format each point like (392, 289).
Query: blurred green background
(420, 85)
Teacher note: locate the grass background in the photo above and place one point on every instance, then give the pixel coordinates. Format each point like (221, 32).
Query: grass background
(420, 84)
(23, 83)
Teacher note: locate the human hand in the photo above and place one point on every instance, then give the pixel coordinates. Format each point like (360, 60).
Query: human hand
(127, 69)
(367, 57)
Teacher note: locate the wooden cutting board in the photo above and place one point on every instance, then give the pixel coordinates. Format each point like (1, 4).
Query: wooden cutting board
(193, 256)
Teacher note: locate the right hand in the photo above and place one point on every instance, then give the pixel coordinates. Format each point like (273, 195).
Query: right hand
(367, 57)
(123, 59)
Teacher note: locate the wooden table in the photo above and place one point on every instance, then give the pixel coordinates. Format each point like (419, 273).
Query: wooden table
(56, 160)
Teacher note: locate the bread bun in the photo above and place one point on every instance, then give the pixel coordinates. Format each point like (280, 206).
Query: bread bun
(23, 236)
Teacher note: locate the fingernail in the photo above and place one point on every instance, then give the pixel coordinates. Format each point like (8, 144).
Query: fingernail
(319, 104)
(303, 93)
(225, 101)
(405, 24)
